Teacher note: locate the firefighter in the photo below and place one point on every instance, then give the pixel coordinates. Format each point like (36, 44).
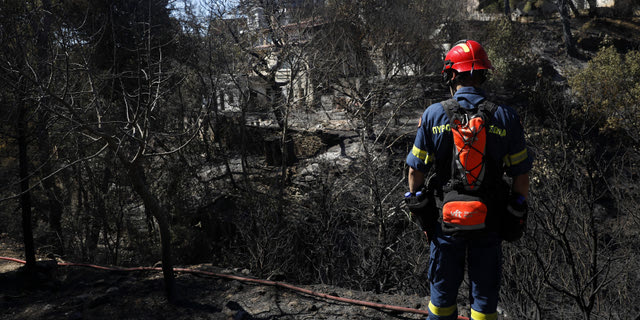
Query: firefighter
(465, 68)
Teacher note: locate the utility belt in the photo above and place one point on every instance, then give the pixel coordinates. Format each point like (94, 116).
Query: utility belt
(468, 214)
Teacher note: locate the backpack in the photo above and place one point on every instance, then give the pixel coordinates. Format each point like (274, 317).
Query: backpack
(471, 192)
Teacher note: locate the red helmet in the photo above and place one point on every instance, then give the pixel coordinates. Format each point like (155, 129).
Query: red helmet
(466, 55)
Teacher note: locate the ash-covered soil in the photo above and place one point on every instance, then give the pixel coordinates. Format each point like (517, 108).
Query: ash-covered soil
(74, 293)
(83, 293)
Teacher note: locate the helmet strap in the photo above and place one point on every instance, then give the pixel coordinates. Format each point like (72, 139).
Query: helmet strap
(452, 83)
(447, 76)
(452, 90)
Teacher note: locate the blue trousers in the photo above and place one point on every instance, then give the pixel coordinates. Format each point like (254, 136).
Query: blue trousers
(483, 256)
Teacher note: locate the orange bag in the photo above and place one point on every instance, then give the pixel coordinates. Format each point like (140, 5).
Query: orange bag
(463, 212)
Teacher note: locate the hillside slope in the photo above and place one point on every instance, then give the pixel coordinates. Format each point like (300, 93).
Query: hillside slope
(84, 293)
(87, 293)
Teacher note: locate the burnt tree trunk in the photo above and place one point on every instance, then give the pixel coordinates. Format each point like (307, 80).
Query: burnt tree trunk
(151, 203)
(52, 191)
(593, 7)
(55, 206)
(25, 194)
(507, 9)
(276, 98)
(566, 28)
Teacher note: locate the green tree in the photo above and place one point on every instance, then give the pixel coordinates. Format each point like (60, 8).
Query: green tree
(608, 90)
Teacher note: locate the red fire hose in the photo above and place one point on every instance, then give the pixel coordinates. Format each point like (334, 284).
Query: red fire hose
(251, 280)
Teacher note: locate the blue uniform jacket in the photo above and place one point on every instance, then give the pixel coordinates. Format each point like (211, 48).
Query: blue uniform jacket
(505, 138)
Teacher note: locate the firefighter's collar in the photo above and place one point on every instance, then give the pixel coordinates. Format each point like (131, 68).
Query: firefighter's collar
(471, 94)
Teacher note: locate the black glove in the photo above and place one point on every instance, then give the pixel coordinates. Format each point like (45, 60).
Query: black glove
(423, 210)
(514, 220)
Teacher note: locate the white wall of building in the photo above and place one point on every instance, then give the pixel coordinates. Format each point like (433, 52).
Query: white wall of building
(605, 3)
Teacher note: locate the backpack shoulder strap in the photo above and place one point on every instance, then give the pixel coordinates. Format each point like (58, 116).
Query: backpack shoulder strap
(451, 108)
(488, 108)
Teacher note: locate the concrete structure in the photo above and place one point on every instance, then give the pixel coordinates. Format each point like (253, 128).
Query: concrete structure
(605, 3)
